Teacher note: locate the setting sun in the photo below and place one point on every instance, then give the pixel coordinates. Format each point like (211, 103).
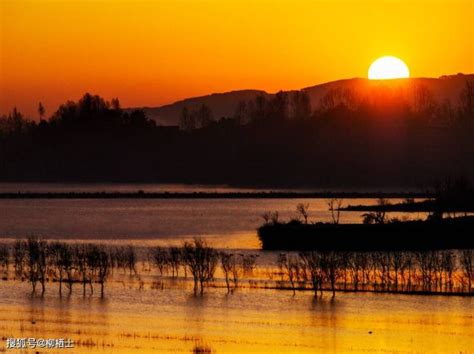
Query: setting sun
(388, 67)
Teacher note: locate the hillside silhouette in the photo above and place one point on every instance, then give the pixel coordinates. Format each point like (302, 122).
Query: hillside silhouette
(443, 89)
(382, 138)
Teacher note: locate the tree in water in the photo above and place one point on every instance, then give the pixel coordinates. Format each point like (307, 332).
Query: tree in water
(60, 257)
(36, 263)
(202, 262)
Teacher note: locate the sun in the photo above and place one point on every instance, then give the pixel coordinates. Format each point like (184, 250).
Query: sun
(388, 67)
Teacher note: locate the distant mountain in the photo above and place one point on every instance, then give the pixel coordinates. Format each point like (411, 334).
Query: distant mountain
(221, 104)
(444, 88)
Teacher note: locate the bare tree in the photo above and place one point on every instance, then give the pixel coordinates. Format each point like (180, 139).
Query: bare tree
(290, 266)
(248, 263)
(330, 269)
(4, 258)
(174, 259)
(202, 262)
(467, 266)
(19, 256)
(377, 217)
(312, 263)
(160, 259)
(103, 269)
(60, 258)
(80, 265)
(397, 263)
(131, 259)
(227, 260)
(335, 208)
(302, 210)
(449, 267)
(36, 265)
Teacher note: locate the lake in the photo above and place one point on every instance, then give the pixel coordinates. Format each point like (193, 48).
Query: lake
(148, 314)
(173, 320)
(225, 223)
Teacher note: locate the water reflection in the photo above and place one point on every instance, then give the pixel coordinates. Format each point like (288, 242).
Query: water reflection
(247, 321)
(225, 223)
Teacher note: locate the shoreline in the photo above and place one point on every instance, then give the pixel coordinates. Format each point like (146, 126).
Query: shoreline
(415, 235)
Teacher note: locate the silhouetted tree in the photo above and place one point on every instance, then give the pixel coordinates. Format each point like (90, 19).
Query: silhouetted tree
(80, 255)
(301, 106)
(241, 113)
(36, 265)
(175, 258)
(290, 266)
(335, 209)
(312, 263)
(201, 261)
(115, 104)
(330, 268)
(41, 111)
(4, 258)
(423, 100)
(19, 256)
(61, 260)
(280, 106)
(302, 209)
(467, 266)
(103, 269)
(377, 217)
(227, 260)
(467, 101)
(204, 116)
(257, 108)
(160, 258)
(131, 259)
(187, 120)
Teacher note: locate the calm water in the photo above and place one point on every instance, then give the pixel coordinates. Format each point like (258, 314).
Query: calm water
(172, 320)
(169, 319)
(155, 187)
(225, 222)
(230, 223)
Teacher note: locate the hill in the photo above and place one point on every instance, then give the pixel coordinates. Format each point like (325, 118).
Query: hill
(443, 89)
(221, 104)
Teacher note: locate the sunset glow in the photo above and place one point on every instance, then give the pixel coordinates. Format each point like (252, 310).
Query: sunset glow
(152, 52)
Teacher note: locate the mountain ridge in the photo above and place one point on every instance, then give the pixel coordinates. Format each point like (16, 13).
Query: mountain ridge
(224, 104)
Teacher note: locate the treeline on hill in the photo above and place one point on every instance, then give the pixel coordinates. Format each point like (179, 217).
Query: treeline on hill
(283, 141)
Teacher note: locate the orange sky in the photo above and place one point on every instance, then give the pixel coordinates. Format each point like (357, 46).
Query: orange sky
(150, 52)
